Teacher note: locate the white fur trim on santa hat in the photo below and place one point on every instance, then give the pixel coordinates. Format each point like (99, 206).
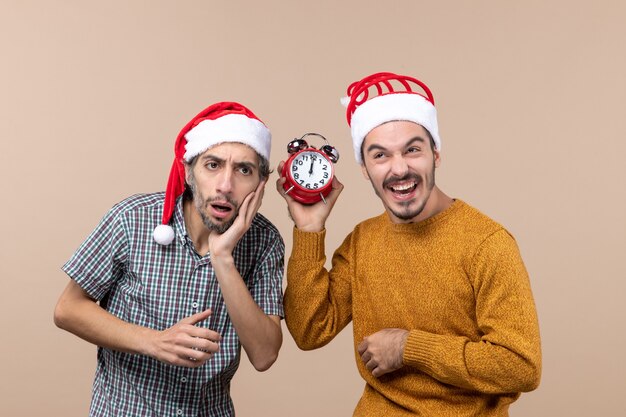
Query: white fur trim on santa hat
(228, 128)
(163, 234)
(398, 106)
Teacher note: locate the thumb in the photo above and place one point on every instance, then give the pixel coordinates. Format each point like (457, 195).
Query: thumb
(337, 188)
(198, 317)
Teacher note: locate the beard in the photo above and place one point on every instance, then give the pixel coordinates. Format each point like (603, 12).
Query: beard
(201, 203)
(406, 212)
(208, 223)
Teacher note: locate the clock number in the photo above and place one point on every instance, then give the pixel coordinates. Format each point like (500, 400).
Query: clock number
(308, 185)
(321, 181)
(300, 162)
(325, 174)
(315, 185)
(294, 167)
(325, 167)
(296, 176)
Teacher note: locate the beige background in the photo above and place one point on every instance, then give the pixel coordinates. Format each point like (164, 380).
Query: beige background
(531, 111)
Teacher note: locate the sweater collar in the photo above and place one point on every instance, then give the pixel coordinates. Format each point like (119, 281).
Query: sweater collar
(418, 226)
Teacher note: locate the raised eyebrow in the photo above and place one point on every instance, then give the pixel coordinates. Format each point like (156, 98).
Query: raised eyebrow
(415, 139)
(375, 147)
(209, 157)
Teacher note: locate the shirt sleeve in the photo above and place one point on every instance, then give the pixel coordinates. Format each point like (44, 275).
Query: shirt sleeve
(318, 303)
(507, 357)
(267, 289)
(100, 260)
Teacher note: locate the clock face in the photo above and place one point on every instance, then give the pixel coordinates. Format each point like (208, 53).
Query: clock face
(311, 171)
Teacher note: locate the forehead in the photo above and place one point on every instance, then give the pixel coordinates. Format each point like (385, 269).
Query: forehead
(394, 133)
(232, 151)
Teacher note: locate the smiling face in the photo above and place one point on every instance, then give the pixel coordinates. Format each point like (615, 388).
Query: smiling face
(399, 161)
(220, 179)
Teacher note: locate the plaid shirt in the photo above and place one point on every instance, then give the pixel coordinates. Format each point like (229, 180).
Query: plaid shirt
(155, 286)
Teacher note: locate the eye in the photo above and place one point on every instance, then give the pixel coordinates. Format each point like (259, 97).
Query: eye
(378, 155)
(212, 165)
(413, 149)
(245, 170)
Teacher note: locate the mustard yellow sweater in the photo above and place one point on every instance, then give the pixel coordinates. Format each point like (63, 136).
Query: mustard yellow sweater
(456, 281)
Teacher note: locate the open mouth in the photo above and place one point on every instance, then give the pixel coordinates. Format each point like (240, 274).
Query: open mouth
(221, 208)
(403, 188)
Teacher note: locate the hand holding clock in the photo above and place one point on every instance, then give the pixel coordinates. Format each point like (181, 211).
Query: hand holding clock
(309, 217)
(311, 188)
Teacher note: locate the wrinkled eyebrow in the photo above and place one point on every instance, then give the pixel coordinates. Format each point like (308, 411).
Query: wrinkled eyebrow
(237, 164)
(377, 147)
(208, 156)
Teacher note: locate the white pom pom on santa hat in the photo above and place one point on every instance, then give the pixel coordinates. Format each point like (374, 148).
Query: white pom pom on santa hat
(163, 234)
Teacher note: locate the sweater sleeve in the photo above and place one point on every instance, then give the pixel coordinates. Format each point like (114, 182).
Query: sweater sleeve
(507, 356)
(318, 303)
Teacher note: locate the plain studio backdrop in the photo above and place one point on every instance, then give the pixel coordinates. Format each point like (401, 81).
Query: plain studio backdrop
(531, 112)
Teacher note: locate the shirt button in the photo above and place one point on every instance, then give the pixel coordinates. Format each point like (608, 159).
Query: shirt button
(183, 379)
(179, 412)
(194, 304)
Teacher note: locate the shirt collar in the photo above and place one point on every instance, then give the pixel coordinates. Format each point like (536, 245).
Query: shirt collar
(179, 221)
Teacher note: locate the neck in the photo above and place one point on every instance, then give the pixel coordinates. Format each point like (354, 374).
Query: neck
(437, 202)
(196, 230)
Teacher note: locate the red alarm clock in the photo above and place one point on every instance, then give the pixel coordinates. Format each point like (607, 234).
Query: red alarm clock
(309, 171)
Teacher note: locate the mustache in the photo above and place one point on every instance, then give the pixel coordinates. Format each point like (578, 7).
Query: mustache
(228, 199)
(409, 176)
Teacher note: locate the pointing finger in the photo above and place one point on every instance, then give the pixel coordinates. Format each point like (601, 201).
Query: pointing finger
(198, 317)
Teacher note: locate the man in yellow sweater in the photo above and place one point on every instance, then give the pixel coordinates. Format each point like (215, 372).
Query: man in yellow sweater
(443, 315)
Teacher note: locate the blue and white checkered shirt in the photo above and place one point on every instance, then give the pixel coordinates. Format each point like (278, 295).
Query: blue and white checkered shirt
(155, 286)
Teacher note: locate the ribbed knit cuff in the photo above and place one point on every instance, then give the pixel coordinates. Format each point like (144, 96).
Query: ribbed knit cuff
(419, 348)
(309, 245)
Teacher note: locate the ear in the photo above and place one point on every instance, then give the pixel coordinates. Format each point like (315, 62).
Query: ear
(364, 171)
(187, 171)
(437, 158)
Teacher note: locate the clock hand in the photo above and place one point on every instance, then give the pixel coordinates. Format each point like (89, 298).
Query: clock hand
(311, 168)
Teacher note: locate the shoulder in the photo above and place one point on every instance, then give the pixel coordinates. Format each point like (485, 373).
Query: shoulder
(140, 202)
(262, 228)
(137, 209)
(482, 233)
(138, 205)
(366, 232)
(371, 225)
(474, 222)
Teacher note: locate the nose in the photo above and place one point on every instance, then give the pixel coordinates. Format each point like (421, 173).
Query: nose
(225, 182)
(399, 167)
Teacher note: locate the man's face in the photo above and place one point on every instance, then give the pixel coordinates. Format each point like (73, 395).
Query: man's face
(220, 180)
(399, 161)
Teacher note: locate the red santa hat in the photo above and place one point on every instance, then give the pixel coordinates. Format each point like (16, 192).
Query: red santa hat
(395, 99)
(218, 123)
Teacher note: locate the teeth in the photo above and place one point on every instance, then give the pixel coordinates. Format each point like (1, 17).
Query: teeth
(403, 187)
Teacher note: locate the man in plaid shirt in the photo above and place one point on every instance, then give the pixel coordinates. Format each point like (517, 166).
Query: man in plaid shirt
(169, 286)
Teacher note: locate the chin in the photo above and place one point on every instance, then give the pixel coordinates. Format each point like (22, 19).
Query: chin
(407, 212)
